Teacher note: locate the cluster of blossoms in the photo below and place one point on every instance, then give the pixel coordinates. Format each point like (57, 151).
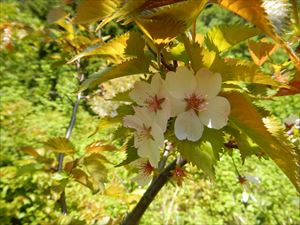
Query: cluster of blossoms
(190, 98)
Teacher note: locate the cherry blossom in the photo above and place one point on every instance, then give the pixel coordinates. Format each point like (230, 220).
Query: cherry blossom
(195, 102)
(153, 97)
(145, 171)
(148, 135)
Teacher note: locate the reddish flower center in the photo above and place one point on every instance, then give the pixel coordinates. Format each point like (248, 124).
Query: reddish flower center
(195, 102)
(144, 133)
(146, 169)
(179, 175)
(154, 103)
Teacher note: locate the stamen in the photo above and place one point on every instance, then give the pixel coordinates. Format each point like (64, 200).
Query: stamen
(154, 103)
(144, 133)
(145, 168)
(195, 102)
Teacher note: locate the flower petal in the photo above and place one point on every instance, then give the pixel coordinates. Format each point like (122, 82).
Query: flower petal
(180, 83)
(149, 149)
(141, 92)
(188, 126)
(208, 83)
(132, 121)
(142, 180)
(216, 115)
(156, 83)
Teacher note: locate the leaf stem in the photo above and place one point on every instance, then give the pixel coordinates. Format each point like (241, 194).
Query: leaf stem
(135, 215)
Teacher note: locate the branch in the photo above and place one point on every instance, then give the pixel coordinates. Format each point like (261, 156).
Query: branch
(62, 199)
(134, 217)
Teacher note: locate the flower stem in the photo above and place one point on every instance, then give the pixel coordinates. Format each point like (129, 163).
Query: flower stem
(135, 215)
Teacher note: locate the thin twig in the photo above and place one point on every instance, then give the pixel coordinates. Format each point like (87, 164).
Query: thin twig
(62, 199)
(135, 215)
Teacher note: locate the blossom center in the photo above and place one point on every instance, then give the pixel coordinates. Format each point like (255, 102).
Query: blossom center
(154, 103)
(195, 102)
(144, 133)
(145, 168)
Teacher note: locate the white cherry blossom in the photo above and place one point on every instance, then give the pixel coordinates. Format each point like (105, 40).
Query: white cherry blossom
(145, 171)
(148, 135)
(195, 102)
(153, 97)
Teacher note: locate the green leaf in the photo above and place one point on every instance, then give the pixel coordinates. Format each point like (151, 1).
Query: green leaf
(245, 144)
(122, 96)
(176, 52)
(93, 10)
(131, 153)
(199, 154)
(95, 165)
(117, 49)
(215, 138)
(81, 177)
(194, 52)
(28, 169)
(60, 145)
(224, 37)
(245, 116)
(130, 67)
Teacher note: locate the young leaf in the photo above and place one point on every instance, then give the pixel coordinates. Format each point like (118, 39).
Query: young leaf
(130, 67)
(81, 177)
(94, 164)
(29, 168)
(99, 146)
(131, 153)
(30, 151)
(195, 53)
(248, 120)
(165, 23)
(253, 11)
(117, 49)
(224, 37)
(93, 10)
(199, 154)
(261, 51)
(60, 145)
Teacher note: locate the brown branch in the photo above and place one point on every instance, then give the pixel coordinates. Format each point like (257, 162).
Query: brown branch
(136, 214)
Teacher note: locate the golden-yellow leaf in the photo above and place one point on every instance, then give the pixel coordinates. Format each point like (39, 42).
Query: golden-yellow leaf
(260, 51)
(165, 23)
(99, 146)
(249, 121)
(93, 10)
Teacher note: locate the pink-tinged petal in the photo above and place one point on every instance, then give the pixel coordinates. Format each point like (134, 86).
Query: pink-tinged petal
(177, 106)
(156, 83)
(132, 121)
(188, 126)
(141, 92)
(149, 149)
(216, 115)
(147, 117)
(142, 180)
(158, 135)
(180, 83)
(208, 83)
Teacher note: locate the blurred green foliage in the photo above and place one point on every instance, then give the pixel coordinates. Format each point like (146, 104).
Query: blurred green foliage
(36, 90)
